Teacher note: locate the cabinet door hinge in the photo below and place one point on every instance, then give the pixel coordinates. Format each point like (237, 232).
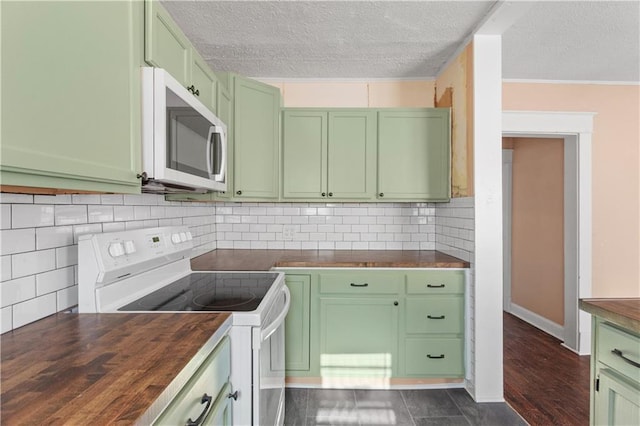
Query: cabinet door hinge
(597, 386)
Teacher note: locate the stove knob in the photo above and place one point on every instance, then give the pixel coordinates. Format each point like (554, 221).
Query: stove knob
(129, 247)
(183, 237)
(175, 238)
(116, 250)
(189, 236)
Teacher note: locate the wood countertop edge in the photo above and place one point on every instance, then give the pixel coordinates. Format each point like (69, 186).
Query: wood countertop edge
(102, 383)
(606, 309)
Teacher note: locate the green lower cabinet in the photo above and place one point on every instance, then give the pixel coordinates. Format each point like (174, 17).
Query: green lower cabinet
(358, 337)
(221, 413)
(617, 402)
(296, 326)
(435, 315)
(433, 357)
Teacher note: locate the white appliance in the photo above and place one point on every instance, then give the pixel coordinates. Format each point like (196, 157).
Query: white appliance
(148, 270)
(184, 145)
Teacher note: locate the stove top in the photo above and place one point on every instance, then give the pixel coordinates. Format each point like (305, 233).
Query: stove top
(208, 291)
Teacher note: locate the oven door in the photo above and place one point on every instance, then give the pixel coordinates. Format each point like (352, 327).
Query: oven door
(268, 364)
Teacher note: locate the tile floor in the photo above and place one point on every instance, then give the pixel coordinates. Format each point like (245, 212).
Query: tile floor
(446, 407)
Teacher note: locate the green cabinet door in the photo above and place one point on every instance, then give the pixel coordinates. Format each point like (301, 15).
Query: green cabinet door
(296, 326)
(221, 413)
(71, 95)
(617, 402)
(358, 337)
(165, 45)
(256, 139)
(304, 154)
(204, 81)
(351, 154)
(414, 154)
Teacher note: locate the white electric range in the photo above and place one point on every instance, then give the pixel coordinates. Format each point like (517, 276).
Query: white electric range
(149, 270)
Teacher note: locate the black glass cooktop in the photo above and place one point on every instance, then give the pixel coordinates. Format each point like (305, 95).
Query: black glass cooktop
(216, 291)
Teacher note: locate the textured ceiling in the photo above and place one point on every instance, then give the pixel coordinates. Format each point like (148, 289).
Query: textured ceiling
(575, 41)
(562, 40)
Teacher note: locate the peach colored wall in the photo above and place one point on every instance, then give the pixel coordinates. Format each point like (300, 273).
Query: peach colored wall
(363, 94)
(457, 77)
(615, 172)
(537, 238)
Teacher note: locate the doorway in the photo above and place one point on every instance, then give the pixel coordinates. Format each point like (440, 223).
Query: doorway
(576, 130)
(533, 217)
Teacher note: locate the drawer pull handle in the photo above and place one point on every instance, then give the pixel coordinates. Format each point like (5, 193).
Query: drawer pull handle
(441, 356)
(432, 317)
(206, 399)
(619, 353)
(435, 286)
(360, 285)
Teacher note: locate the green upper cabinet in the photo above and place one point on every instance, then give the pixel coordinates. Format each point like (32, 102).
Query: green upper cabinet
(204, 82)
(329, 154)
(255, 139)
(71, 95)
(414, 154)
(304, 154)
(167, 47)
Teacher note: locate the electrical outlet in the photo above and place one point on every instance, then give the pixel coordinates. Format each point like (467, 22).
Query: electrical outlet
(288, 231)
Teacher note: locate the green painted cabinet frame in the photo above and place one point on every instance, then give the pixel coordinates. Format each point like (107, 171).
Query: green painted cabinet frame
(256, 140)
(296, 325)
(414, 154)
(328, 154)
(71, 95)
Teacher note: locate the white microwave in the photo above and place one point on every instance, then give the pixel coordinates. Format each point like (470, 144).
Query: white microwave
(184, 145)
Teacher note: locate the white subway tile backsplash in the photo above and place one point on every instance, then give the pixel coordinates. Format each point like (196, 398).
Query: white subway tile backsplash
(17, 241)
(66, 298)
(32, 262)
(94, 228)
(70, 215)
(31, 215)
(100, 213)
(52, 199)
(5, 268)
(85, 199)
(122, 213)
(112, 199)
(51, 281)
(5, 216)
(18, 290)
(34, 309)
(8, 198)
(66, 256)
(51, 237)
(6, 319)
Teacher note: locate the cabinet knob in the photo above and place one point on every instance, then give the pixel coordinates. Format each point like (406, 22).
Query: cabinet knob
(395, 303)
(191, 88)
(324, 194)
(381, 194)
(331, 194)
(197, 92)
(233, 395)
(238, 192)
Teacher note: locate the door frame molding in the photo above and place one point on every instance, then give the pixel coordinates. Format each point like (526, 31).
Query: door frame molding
(576, 128)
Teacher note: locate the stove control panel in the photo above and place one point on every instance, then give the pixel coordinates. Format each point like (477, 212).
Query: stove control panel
(124, 253)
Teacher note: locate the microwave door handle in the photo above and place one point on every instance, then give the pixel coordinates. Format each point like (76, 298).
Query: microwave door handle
(209, 147)
(271, 328)
(223, 165)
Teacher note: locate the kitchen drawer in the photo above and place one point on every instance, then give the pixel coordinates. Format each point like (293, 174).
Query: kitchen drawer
(440, 357)
(627, 345)
(435, 282)
(435, 315)
(361, 283)
(210, 378)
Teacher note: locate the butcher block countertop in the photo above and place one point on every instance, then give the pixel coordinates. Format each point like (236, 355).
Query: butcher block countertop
(263, 260)
(98, 369)
(623, 312)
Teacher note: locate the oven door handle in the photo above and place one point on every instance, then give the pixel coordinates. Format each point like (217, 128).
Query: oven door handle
(271, 328)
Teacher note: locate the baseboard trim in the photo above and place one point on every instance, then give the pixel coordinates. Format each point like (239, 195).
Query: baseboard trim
(548, 326)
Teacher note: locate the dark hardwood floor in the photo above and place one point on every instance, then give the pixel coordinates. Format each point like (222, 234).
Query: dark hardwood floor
(544, 382)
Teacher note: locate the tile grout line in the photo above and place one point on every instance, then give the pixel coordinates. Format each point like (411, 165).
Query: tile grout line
(404, 401)
(458, 406)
